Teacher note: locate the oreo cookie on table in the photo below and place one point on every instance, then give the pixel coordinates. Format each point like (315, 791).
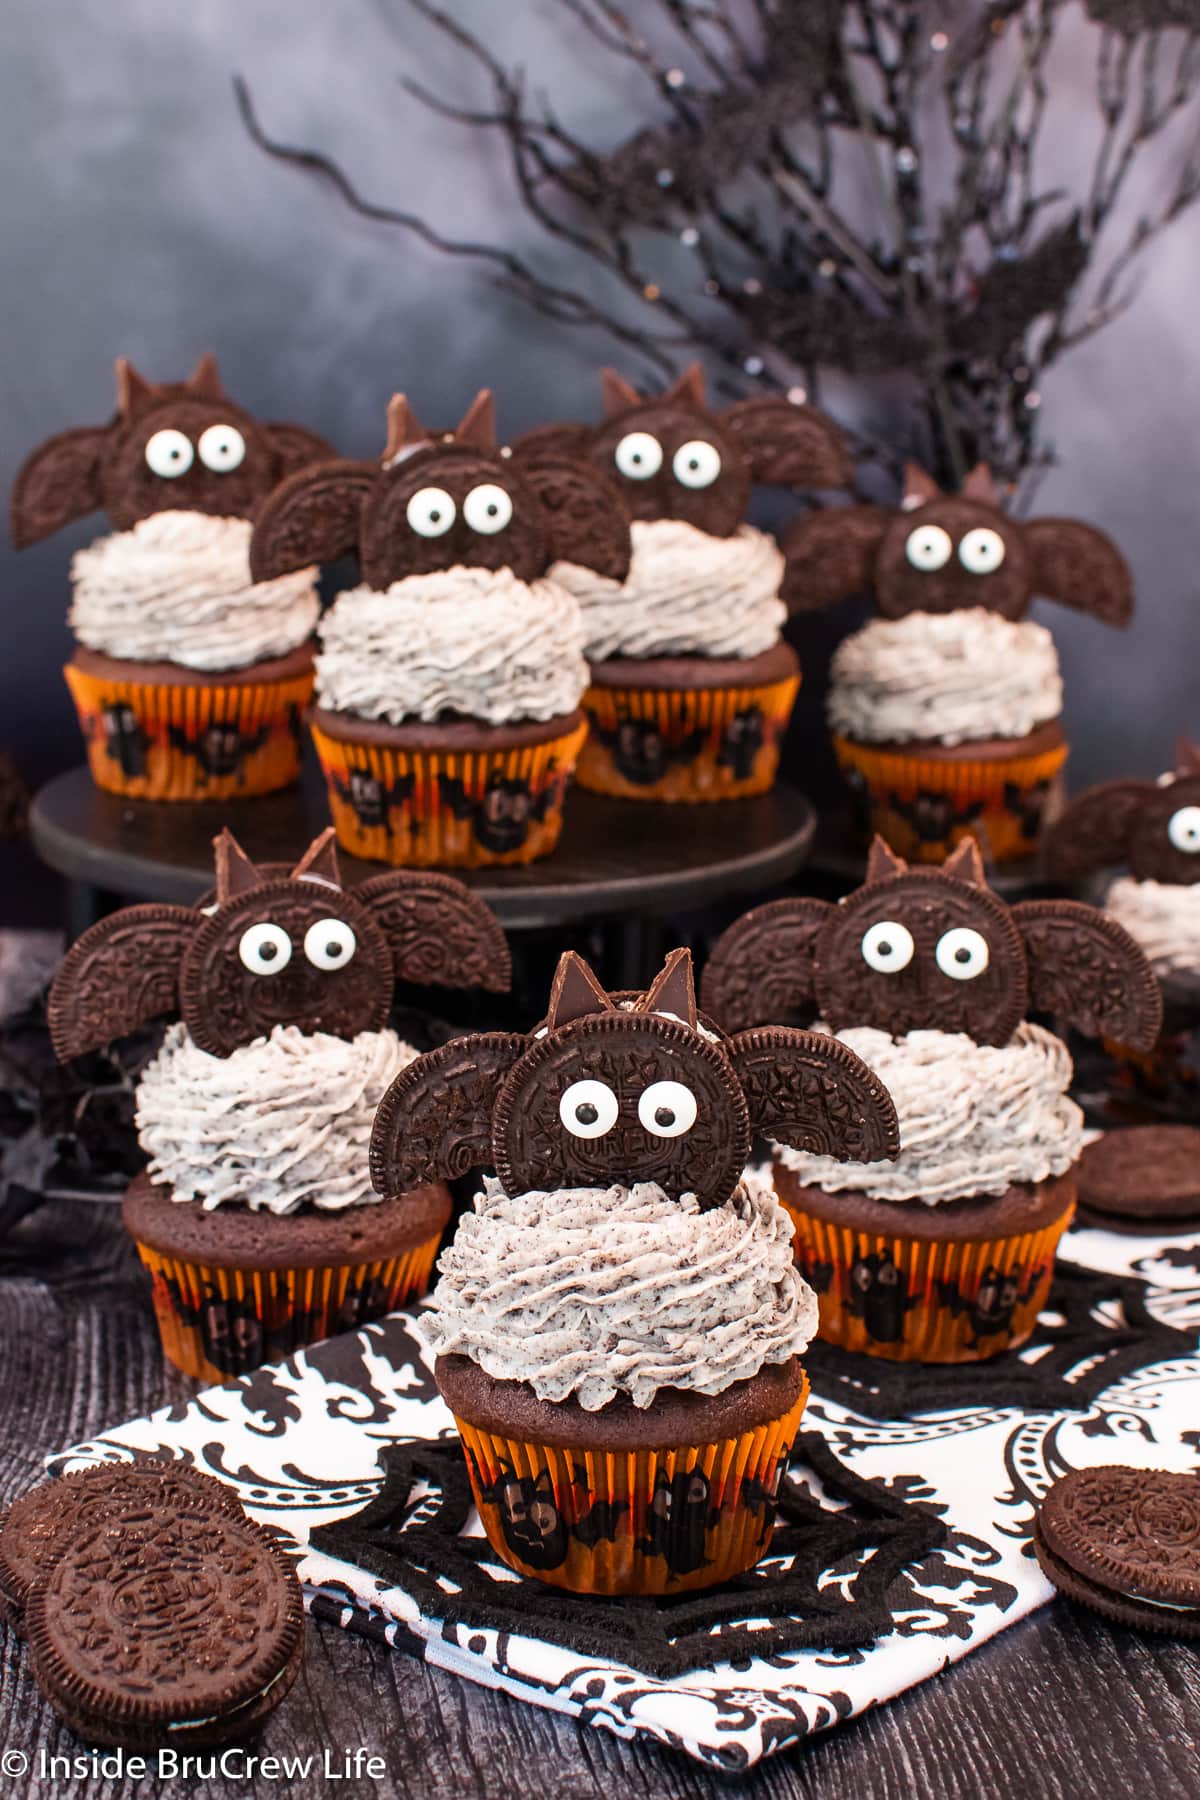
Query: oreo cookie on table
(156, 1611)
(1125, 1542)
(36, 1522)
(1144, 1179)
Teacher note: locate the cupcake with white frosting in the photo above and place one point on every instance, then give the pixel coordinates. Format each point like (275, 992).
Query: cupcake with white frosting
(447, 714)
(946, 711)
(190, 679)
(692, 684)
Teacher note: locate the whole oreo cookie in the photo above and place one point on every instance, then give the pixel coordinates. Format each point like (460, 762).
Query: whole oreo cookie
(1127, 1543)
(40, 1519)
(184, 1626)
(1146, 1178)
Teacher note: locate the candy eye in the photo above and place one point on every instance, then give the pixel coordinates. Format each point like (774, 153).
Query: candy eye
(981, 551)
(928, 548)
(697, 464)
(638, 456)
(329, 944)
(588, 1109)
(222, 448)
(487, 508)
(887, 947)
(265, 949)
(1183, 829)
(667, 1109)
(962, 953)
(887, 1275)
(169, 454)
(430, 512)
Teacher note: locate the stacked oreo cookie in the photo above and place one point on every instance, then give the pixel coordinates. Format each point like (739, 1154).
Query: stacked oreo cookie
(156, 1612)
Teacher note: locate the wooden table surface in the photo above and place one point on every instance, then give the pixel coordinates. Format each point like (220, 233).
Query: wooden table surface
(1062, 1705)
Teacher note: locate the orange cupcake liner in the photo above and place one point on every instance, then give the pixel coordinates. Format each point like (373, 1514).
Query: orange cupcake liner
(462, 809)
(631, 1521)
(924, 806)
(166, 741)
(217, 1324)
(648, 743)
(921, 1300)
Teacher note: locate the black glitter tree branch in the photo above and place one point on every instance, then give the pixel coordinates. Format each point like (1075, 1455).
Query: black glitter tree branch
(839, 187)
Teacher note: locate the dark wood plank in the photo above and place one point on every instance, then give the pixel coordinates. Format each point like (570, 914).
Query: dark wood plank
(1060, 1708)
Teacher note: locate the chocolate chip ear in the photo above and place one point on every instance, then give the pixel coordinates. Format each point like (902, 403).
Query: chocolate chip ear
(583, 513)
(295, 447)
(832, 554)
(59, 482)
(788, 445)
(435, 1121)
(1079, 566)
(1095, 830)
(762, 968)
(121, 973)
(312, 517)
(809, 1090)
(439, 932)
(1086, 970)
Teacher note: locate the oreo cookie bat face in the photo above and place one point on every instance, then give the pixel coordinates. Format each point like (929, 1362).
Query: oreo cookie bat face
(186, 453)
(1165, 845)
(442, 505)
(950, 553)
(919, 952)
(285, 953)
(622, 1098)
(674, 462)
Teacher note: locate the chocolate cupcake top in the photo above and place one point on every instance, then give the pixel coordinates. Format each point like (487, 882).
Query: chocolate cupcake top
(456, 616)
(947, 678)
(588, 1293)
(974, 1118)
(687, 593)
(279, 1124)
(177, 588)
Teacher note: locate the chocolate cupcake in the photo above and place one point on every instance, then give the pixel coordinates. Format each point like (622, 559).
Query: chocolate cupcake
(448, 685)
(945, 712)
(190, 677)
(256, 1217)
(691, 684)
(944, 1254)
(618, 1323)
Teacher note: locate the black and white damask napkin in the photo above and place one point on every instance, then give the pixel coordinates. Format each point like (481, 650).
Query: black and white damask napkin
(303, 1442)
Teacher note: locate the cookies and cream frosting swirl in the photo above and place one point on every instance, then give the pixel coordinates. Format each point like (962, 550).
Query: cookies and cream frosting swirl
(974, 1118)
(281, 1123)
(588, 1293)
(1163, 917)
(474, 642)
(947, 678)
(177, 588)
(686, 594)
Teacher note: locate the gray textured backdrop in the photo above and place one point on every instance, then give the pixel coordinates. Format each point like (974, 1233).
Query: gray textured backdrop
(139, 219)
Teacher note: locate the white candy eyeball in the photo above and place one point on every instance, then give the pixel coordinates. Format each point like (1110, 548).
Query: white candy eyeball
(697, 464)
(962, 953)
(667, 1109)
(638, 456)
(1183, 829)
(222, 448)
(928, 548)
(588, 1109)
(329, 944)
(981, 551)
(265, 949)
(887, 947)
(169, 453)
(487, 508)
(431, 512)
